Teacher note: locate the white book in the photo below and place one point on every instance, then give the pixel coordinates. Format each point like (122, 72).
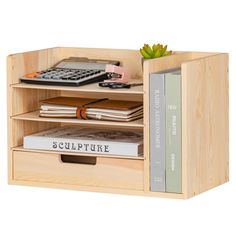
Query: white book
(83, 140)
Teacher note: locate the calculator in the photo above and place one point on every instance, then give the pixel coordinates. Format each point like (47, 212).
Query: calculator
(73, 71)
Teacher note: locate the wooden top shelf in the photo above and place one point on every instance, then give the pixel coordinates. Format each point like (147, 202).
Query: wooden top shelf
(21, 148)
(34, 116)
(94, 88)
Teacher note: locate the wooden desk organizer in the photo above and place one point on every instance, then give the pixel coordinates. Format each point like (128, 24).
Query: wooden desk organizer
(205, 139)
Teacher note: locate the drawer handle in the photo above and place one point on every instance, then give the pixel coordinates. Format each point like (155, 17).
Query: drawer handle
(79, 159)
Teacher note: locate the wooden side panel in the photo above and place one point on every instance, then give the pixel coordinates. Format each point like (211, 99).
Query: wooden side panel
(107, 172)
(131, 59)
(21, 101)
(205, 141)
(9, 121)
(150, 66)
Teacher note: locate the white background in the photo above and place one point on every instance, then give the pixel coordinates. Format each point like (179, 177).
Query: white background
(184, 25)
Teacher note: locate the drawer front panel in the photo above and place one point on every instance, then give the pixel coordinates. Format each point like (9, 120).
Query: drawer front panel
(106, 172)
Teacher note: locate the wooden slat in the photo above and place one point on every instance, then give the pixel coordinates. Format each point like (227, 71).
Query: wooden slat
(98, 189)
(22, 149)
(34, 116)
(92, 88)
(9, 120)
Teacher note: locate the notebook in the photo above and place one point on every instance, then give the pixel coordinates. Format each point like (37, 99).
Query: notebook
(86, 108)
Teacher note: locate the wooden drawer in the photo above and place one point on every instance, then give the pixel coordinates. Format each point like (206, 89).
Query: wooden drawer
(87, 171)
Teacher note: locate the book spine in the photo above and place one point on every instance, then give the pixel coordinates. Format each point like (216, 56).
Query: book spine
(81, 146)
(157, 132)
(173, 133)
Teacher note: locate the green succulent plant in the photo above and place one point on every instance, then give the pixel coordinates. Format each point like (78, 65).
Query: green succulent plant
(157, 50)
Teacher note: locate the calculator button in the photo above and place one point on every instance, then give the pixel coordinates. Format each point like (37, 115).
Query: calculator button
(47, 77)
(55, 77)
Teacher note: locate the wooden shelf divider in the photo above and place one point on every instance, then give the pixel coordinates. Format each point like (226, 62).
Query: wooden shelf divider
(90, 88)
(22, 149)
(34, 116)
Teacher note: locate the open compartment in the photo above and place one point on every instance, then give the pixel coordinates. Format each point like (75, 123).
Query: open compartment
(26, 105)
(22, 128)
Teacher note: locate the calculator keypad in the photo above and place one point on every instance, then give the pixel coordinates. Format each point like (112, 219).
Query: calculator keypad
(67, 74)
(65, 77)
